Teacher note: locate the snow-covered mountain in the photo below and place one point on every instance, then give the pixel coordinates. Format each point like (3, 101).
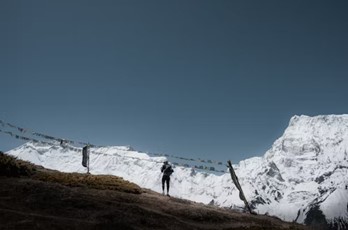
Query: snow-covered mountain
(303, 177)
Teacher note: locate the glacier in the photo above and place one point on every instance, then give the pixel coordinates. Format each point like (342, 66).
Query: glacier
(304, 170)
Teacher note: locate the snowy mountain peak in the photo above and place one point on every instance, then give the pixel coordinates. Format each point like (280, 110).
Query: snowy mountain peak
(307, 136)
(318, 127)
(303, 174)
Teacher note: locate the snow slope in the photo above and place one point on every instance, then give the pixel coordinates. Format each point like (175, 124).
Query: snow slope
(306, 168)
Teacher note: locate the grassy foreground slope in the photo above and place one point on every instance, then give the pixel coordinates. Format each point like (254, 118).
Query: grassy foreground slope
(32, 197)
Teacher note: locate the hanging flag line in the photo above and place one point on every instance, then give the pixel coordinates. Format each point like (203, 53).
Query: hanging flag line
(64, 141)
(48, 137)
(76, 149)
(190, 159)
(198, 167)
(20, 137)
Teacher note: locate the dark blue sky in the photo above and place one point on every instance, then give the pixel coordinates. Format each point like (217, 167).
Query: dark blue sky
(210, 79)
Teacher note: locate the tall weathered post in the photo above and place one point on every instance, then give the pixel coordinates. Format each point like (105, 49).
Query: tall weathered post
(236, 182)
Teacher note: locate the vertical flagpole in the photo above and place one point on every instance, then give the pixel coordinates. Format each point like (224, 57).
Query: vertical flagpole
(88, 151)
(236, 182)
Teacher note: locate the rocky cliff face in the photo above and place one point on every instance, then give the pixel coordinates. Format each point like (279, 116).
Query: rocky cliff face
(303, 176)
(311, 158)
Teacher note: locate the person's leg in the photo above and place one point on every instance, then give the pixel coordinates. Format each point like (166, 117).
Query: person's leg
(163, 181)
(168, 182)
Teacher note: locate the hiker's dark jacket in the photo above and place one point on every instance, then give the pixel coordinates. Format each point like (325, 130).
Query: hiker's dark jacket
(167, 170)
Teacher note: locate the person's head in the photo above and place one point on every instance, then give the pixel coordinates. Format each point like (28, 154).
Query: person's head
(165, 162)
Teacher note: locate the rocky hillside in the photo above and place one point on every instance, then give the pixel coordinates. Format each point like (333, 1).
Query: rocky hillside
(33, 197)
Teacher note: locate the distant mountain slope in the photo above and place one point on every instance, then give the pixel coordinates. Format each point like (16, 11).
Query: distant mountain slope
(303, 176)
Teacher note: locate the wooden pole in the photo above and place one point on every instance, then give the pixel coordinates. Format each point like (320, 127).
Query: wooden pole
(88, 151)
(236, 182)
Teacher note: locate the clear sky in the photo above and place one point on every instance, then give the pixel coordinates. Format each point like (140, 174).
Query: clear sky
(211, 79)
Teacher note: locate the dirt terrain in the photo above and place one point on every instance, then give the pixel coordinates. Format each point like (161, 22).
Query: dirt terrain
(32, 197)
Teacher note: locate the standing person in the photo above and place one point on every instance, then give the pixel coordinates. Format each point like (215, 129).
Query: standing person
(167, 171)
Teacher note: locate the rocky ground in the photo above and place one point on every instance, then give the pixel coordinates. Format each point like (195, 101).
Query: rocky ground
(32, 197)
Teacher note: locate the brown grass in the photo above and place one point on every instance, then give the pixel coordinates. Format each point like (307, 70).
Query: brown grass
(12, 167)
(103, 182)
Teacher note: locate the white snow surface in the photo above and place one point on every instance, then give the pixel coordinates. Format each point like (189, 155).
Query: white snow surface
(306, 166)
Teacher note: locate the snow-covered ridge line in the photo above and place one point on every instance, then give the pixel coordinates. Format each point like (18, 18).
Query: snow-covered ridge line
(304, 171)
